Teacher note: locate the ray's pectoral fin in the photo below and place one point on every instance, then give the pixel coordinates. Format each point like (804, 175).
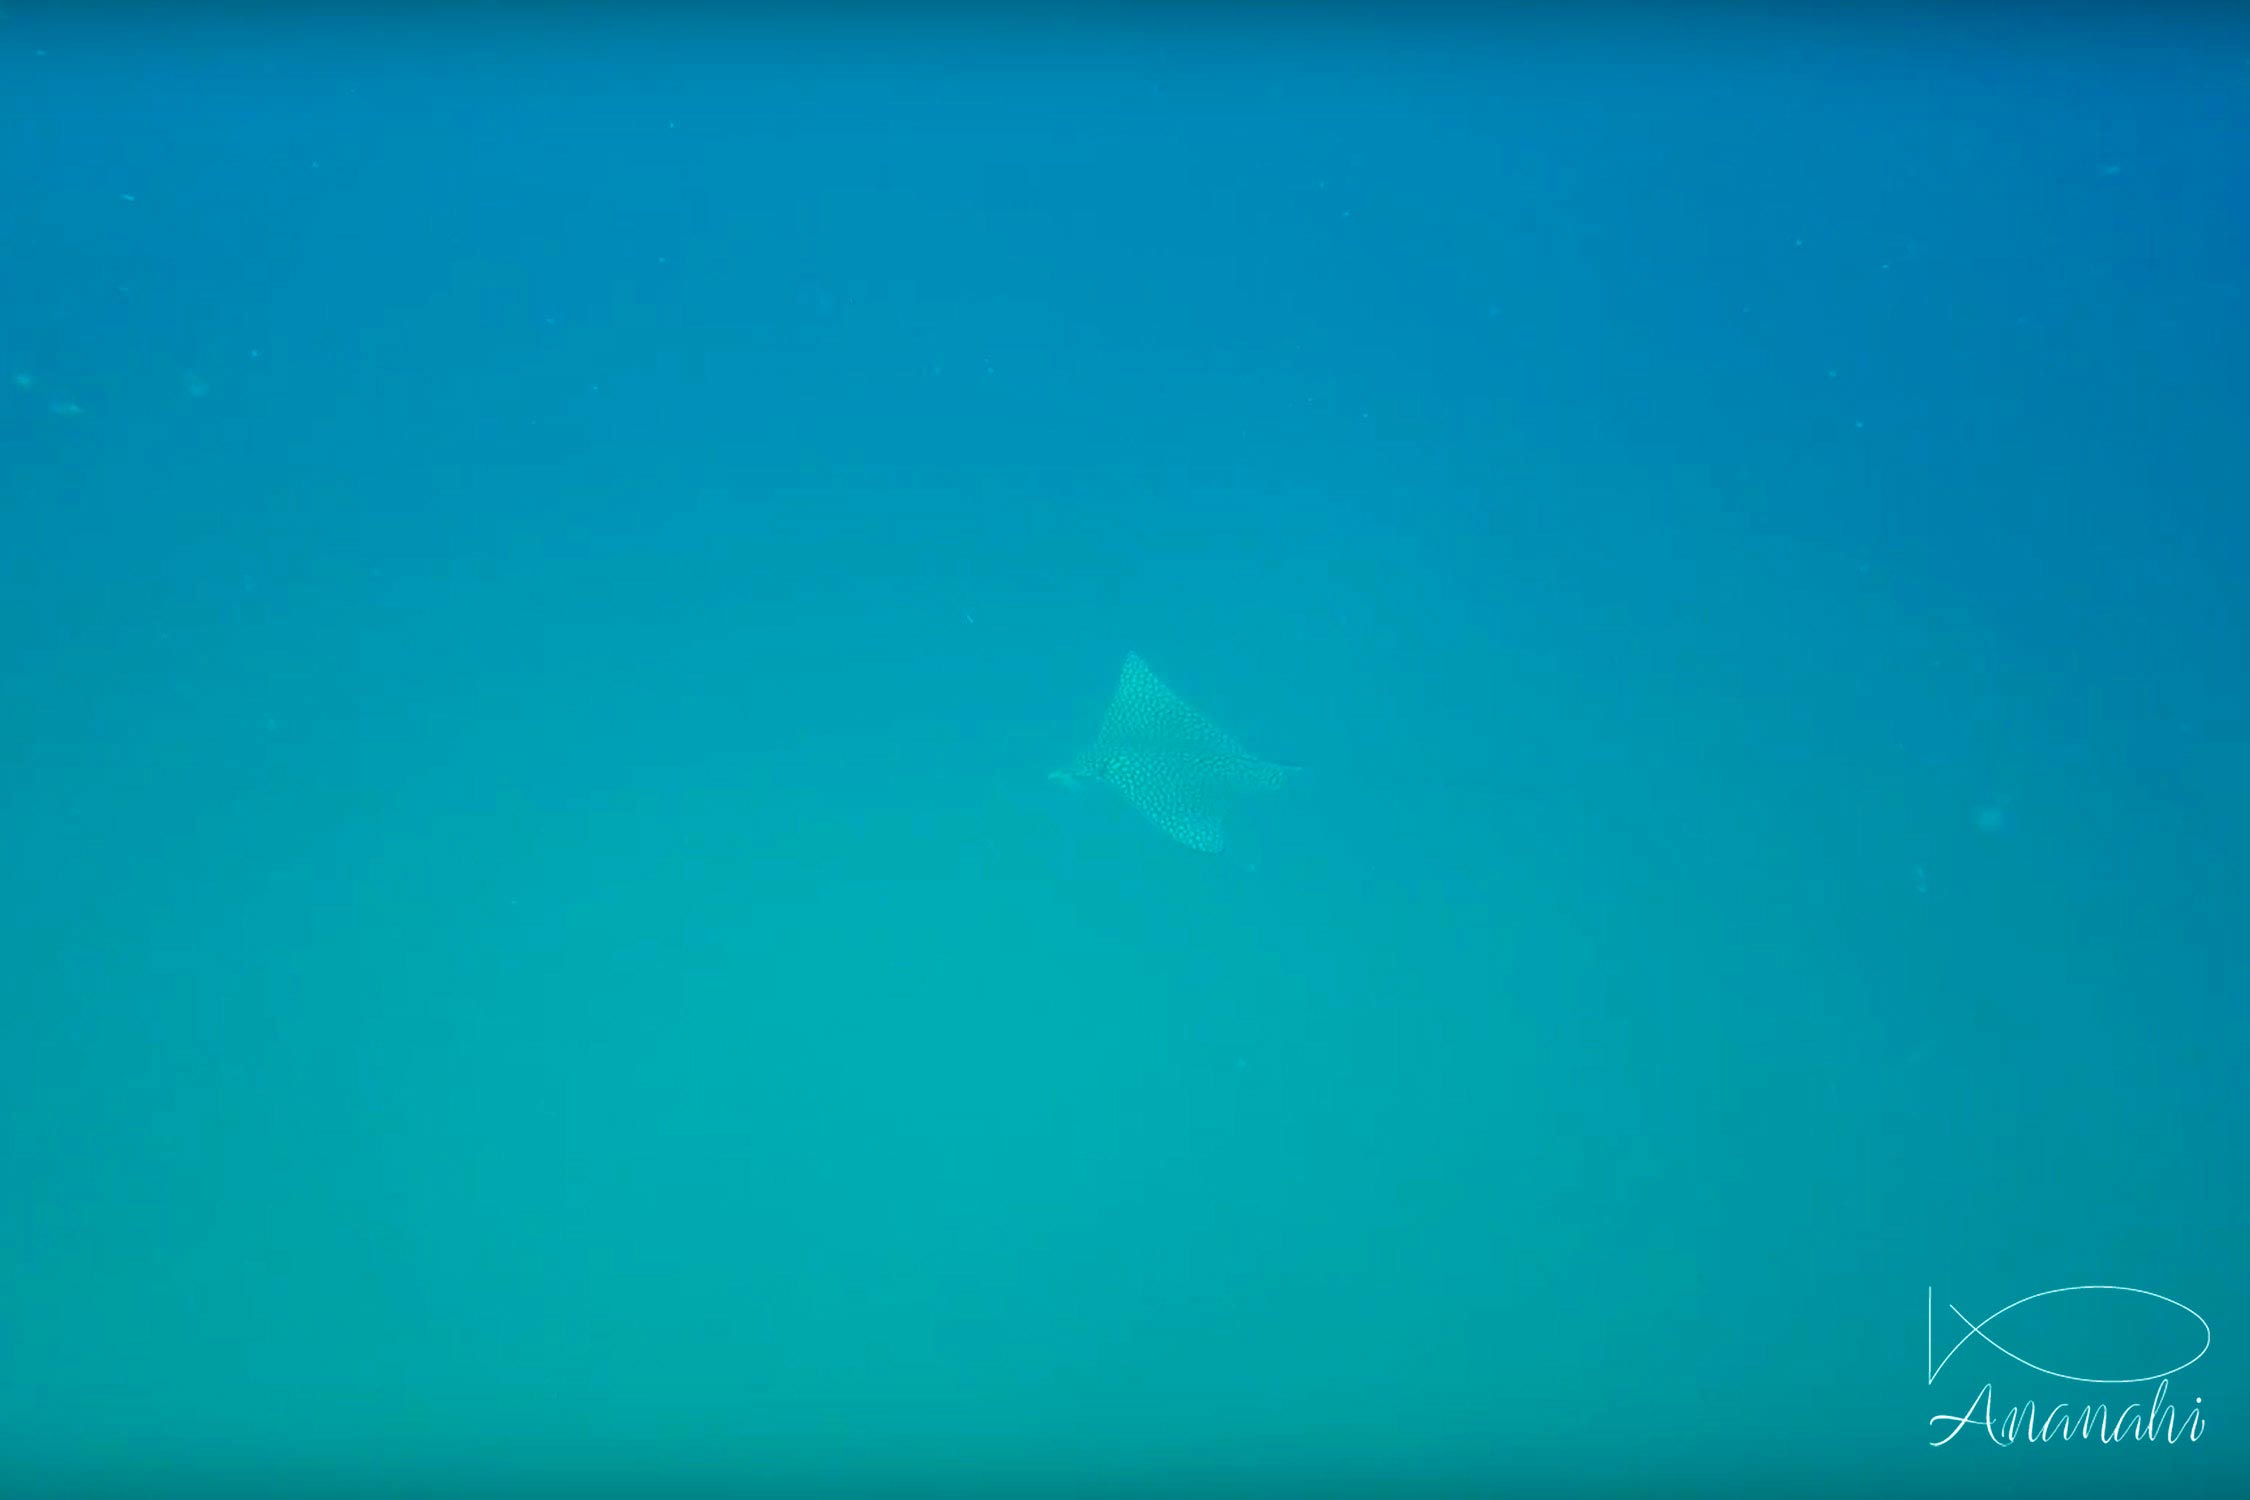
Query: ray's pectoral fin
(1187, 807)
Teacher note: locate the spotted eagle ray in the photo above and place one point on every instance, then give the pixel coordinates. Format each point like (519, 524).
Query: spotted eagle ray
(1177, 768)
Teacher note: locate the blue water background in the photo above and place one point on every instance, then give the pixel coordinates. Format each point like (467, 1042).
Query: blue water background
(543, 565)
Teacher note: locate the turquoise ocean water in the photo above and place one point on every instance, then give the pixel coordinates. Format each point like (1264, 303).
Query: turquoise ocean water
(545, 562)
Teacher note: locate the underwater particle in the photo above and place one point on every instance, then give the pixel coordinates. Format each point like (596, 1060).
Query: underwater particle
(1170, 763)
(197, 386)
(1992, 818)
(66, 409)
(24, 382)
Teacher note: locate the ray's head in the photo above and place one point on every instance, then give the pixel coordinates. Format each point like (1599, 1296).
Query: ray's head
(1083, 771)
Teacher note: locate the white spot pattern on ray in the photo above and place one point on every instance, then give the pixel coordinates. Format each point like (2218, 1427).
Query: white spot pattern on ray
(1173, 765)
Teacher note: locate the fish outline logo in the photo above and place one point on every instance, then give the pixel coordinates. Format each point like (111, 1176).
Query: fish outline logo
(1977, 1330)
